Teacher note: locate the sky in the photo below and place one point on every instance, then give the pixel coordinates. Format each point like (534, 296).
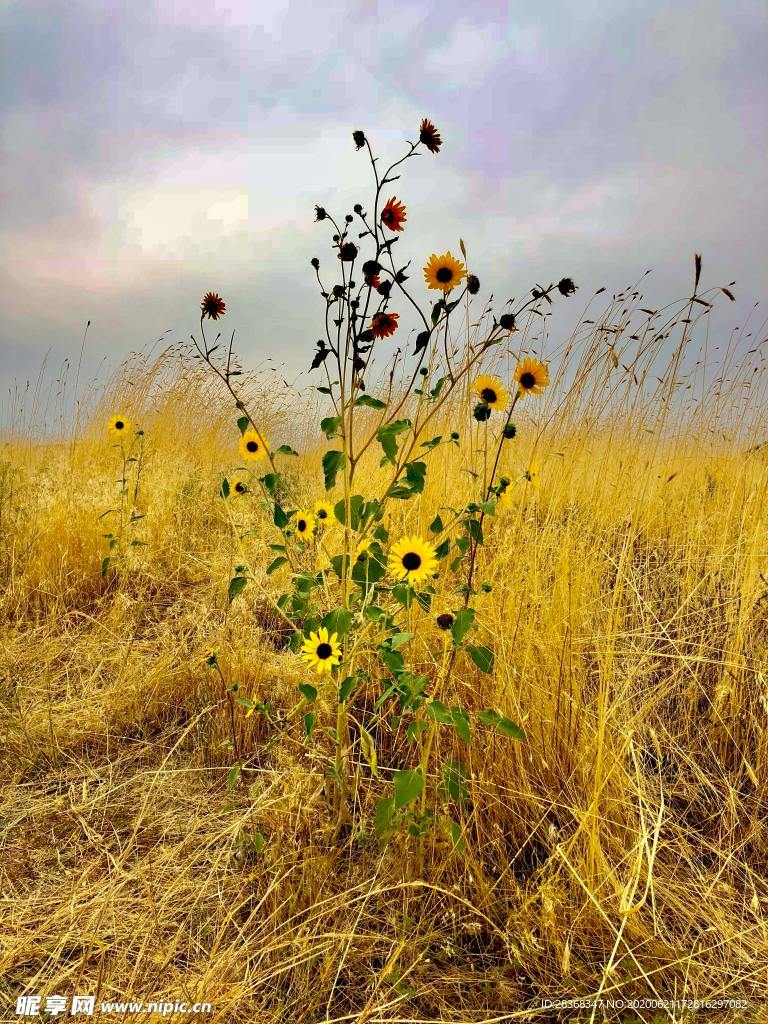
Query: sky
(153, 151)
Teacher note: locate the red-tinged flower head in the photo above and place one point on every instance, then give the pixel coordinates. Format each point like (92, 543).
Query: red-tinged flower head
(430, 136)
(212, 306)
(393, 215)
(384, 324)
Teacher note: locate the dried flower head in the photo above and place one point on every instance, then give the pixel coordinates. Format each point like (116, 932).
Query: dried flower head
(359, 138)
(348, 252)
(212, 306)
(384, 324)
(566, 286)
(428, 134)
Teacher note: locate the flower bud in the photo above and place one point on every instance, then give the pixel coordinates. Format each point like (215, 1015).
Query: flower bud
(507, 321)
(566, 286)
(473, 284)
(359, 139)
(509, 431)
(320, 213)
(315, 262)
(481, 412)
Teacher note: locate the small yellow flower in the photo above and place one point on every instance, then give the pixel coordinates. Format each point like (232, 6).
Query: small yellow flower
(249, 711)
(323, 511)
(237, 486)
(491, 390)
(305, 524)
(444, 272)
(208, 657)
(532, 376)
(532, 475)
(412, 559)
(252, 445)
(321, 651)
(119, 425)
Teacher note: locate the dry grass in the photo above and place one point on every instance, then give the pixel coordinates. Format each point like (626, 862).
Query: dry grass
(621, 852)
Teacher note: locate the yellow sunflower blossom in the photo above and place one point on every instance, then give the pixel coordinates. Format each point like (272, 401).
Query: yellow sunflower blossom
(252, 445)
(119, 425)
(323, 511)
(444, 272)
(491, 390)
(305, 524)
(321, 651)
(532, 376)
(412, 559)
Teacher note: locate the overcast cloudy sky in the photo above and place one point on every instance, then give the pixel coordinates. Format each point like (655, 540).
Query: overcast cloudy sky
(152, 151)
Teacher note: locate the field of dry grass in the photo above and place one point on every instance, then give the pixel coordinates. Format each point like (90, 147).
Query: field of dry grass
(621, 852)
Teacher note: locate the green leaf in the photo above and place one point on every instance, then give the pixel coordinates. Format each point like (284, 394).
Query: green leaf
(371, 403)
(224, 491)
(309, 723)
(105, 565)
(398, 639)
(455, 832)
(243, 423)
(280, 560)
(460, 722)
(233, 775)
(415, 474)
(373, 613)
(333, 461)
(346, 688)
(236, 586)
(433, 443)
(443, 548)
(438, 712)
(387, 437)
(330, 426)
(308, 691)
(285, 449)
(462, 624)
(280, 517)
(384, 810)
(408, 787)
(493, 720)
(482, 657)
(453, 785)
(338, 621)
(436, 526)
(356, 503)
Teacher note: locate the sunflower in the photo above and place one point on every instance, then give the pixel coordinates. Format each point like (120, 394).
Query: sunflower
(208, 657)
(532, 376)
(323, 510)
(119, 425)
(384, 324)
(412, 559)
(305, 524)
(393, 215)
(429, 135)
(212, 306)
(444, 272)
(321, 651)
(238, 486)
(362, 547)
(252, 445)
(491, 390)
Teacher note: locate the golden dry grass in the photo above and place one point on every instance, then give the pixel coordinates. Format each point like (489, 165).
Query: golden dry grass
(621, 852)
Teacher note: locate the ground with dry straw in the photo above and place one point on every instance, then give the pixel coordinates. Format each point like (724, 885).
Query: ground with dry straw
(620, 852)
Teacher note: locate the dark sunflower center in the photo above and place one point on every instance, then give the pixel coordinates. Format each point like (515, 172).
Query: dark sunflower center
(324, 651)
(119, 425)
(240, 488)
(488, 395)
(411, 561)
(444, 275)
(252, 446)
(527, 380)
(388, 215)
(322, 514)
(301, 525)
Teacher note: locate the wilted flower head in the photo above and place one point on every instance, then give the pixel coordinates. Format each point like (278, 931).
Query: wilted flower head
(384, 324)
(473, 284)
(348, 252)
(315, 262)
(428, 134)
(445, 620)
(320, 213)
(359, 138)
(566, 286)
(212, 306)
(507, 321)
(481, 412)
